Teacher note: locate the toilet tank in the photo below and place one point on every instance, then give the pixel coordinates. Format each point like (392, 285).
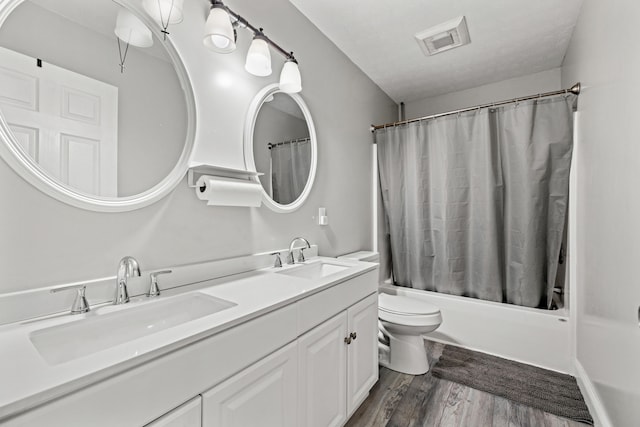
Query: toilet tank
(368, 256)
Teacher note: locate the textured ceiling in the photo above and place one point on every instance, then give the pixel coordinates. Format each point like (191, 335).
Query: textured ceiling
(509, 38)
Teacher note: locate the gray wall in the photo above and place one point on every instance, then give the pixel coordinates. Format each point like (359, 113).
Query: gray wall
(44, 241)
(151, 107)
(544, 81)
(603, 55)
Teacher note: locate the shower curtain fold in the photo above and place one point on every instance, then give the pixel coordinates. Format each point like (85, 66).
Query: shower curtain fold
(476, 202)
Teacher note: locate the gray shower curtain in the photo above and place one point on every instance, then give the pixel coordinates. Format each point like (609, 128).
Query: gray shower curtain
(476, 203)
(290, 166)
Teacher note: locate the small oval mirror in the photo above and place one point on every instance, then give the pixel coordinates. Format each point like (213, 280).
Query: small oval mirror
(280, 142)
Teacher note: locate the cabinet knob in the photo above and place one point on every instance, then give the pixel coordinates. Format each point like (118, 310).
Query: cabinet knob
(347, 340)
(353, 335)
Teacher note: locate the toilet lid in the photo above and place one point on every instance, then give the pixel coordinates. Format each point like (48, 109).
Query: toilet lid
(405, 305)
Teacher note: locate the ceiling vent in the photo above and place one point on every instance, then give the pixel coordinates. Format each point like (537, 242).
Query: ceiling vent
(448, 35)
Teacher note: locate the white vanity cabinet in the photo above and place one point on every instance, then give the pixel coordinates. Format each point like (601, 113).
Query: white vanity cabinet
(265, 394)
(320, 379)
(338, 364)
(289, 367)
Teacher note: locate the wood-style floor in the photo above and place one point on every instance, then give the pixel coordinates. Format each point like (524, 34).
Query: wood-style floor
(406, 400)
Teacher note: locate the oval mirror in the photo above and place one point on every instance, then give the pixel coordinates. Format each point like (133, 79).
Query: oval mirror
(100, 122)
(280, 142)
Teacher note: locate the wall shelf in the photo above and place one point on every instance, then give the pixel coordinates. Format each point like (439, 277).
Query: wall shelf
(196, 170)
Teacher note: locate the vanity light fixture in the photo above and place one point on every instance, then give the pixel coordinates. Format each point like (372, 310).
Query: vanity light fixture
(220, 36)
(132, 31)
(258, 57)
(164, 12)
(290, 81)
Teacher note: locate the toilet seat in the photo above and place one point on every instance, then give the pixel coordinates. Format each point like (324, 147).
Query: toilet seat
(405, 305)
(399, 319)
(407, 311)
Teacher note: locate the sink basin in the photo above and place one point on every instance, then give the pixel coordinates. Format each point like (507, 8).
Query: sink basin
(62, 343)
(316, 270)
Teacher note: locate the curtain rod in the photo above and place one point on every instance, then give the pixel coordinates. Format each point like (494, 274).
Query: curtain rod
(270, 145)
(575, 89)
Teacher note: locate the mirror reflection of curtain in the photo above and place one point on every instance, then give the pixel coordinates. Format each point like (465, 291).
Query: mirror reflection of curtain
(476, 203)
(290, 166)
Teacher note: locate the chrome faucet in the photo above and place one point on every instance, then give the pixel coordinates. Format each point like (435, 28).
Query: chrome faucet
(128, 267)
(290, 259)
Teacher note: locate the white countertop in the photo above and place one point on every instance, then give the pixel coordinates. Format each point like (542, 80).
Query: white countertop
(28, 380)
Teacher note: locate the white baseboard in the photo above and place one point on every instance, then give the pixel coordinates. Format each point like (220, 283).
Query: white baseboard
(591, 397)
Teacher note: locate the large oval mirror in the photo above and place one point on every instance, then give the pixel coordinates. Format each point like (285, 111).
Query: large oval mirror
(88, 118)
(280, 143)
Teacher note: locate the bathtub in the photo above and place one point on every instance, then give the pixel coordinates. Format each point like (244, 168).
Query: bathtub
(529, 335)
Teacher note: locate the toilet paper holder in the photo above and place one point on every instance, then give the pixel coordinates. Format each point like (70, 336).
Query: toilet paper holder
(220, 186)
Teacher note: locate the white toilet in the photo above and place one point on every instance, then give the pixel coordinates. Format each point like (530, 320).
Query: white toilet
(402, 322)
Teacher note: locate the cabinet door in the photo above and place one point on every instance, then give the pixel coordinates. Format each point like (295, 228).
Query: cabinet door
(264, 394)
(362, 353)
(322, 374)
(187, 415)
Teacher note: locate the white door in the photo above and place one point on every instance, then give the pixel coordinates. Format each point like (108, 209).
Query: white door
(264, 394)
(187, 415)
(66, 122)
(322, 374)
(362, 352)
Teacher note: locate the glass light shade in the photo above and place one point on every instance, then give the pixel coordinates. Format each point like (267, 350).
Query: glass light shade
(290, 80)
(160, 10)
(132, 30)
(258, 58)
(218, 31)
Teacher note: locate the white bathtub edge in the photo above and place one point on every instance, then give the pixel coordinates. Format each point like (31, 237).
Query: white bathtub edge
(591, 397)
(485, 351)
(526, 335)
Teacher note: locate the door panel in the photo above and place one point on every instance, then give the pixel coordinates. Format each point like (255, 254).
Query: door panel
(27, 137)
(265, 394)
(362, 356)
(80, 106)
(80, 163)
(322, 374)
(19, 89)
